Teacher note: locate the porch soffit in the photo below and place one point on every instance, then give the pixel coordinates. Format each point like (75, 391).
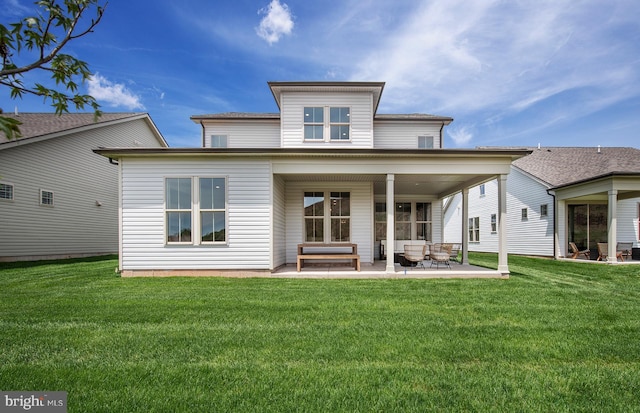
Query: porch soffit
(438, 185)
(597, 190)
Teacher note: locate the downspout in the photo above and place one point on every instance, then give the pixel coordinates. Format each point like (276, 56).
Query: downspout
(555, 224)
(202, 125)
(441, 137)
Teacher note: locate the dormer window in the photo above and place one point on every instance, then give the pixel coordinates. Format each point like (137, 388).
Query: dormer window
(339, 124)
(313, 123)
(327, 123)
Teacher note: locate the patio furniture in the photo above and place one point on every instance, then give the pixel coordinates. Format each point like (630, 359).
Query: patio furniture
(603, 251)
(625, 249)
(332, 254)
(455, 253)
(576, 252)
(415, 254)
(440, 254)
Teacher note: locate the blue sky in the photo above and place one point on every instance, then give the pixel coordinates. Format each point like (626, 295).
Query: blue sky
(510, 73)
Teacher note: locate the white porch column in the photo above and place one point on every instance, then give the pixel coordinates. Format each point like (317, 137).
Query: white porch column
(612, 226)
(503, 265)
(391, 225)
(465, 225)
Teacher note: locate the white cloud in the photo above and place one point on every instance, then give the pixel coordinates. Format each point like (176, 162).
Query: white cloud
(461, 135)
(114, 94)
(276, 22)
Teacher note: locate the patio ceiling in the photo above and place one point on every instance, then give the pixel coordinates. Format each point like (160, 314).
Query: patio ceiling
(440, 185)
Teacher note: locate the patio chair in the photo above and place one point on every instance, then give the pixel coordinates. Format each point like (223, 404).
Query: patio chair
(603, 251)
(576, 252)
(625, 249)
(415, 254)
(440, 254)
(455, 253)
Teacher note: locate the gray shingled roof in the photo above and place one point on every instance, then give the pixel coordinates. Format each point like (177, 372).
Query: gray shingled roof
(262, 116)
(39, 124)
(560, 166)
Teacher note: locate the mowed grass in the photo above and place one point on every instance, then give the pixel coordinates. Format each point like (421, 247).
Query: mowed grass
(556, 336)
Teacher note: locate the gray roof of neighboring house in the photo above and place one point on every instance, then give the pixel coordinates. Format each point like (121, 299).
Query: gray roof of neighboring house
(561, 166)
(276, 116)
(41, 124)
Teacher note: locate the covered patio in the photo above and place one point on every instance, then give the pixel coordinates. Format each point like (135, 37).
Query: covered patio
(378, 270)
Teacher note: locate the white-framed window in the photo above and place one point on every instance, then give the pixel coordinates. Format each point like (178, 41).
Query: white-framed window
(482, 190)
(425, 142)
(314, 123)
(494, 224)
(196, 214)
(218, 141)
(6, 191)
(213, 209)
(46, 198)
(525, 214)
(474, 229)
(339, 121)
(413, 221)
(178, 210)
(327, 216)
(327, 123)
(544, 210)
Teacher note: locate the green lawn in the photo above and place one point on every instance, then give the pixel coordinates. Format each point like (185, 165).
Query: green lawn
(556, 336)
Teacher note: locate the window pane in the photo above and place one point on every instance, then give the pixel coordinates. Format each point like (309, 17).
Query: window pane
(423, 211)
(340, 204)
(381, 230)
(340, 230)
(403, 212)
(425, 142)
(179, 226)
(313, 204)
(424, 231)
(340, 132)
(178, 193)
(314, 229)
(313, 132)
(46, 198)
(206, 226)
(403, 231)
(218, 141)
(212, 193)
(339, 115)
(313, 115)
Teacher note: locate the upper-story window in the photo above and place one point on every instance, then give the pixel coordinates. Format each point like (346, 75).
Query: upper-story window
(425, 142)
(46, 197)
(318, 126)
(218, 141)
(314, 123)
(339, 124)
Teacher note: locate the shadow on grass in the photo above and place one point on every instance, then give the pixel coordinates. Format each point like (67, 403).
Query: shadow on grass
(32, 264)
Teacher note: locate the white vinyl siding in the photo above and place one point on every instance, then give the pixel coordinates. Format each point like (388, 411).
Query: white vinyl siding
(361, 214)
(404, 134)
(249, 215)
(84, 220)
(360, 113)
(279, 222)
(244, 134)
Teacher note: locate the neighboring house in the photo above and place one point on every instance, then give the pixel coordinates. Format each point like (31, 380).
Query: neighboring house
(555, 196)
(326, 169)
(58, 198)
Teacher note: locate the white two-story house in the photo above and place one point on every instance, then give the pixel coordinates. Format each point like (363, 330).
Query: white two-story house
(326, 169)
